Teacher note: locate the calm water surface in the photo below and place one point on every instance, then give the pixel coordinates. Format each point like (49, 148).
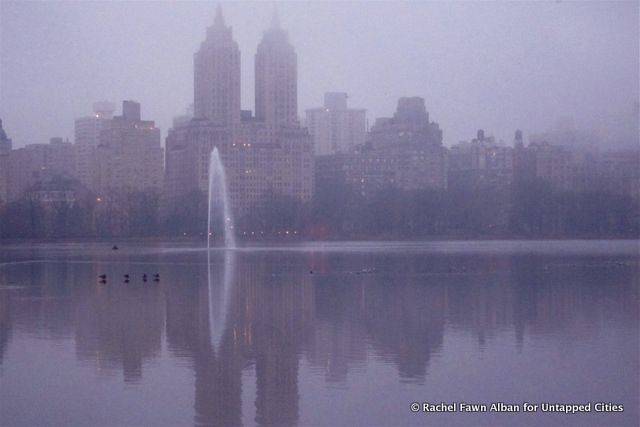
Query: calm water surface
(327, 334)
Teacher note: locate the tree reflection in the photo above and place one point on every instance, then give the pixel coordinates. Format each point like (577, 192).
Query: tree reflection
(264, 314)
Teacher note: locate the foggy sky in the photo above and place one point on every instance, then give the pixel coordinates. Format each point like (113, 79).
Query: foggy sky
(492, 65)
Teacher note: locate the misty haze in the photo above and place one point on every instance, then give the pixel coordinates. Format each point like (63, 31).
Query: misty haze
(319, 213)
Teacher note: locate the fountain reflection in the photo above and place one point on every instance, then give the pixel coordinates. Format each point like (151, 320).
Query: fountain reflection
(252, 324)
(118, 325)
(218, 364)
(198, 330)
(219, 289)
(279, 321)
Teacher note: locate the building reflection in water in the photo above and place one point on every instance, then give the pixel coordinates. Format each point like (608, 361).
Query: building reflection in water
(283, 312)
(118, 325)
(267, 315)
(256, 317)
(271, 311)
(384, 303)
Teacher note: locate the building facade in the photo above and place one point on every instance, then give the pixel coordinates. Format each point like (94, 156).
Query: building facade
(403, 152)
(36, 163)
(552, 164)
(87, 138)
(334, 127)
(481, 163)
(129, 155)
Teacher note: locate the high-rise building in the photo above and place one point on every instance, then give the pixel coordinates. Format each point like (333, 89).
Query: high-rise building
(335, 128)
(552, 164)
(216, 80)
(37, 163)
(404, 152)
(87, 134)
(276, 77)
(575, 168)
(481, 163)
(618, 173)
(409, 125)
(129, 155)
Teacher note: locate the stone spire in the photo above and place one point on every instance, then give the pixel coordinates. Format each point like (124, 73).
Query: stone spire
(276, 78)
(275, 19)
(217, 75)
(218, 21)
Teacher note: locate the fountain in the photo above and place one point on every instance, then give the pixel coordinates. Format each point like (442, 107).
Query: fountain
(219, 210)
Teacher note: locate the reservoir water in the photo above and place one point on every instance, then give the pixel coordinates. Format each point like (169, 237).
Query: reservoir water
(322, 334)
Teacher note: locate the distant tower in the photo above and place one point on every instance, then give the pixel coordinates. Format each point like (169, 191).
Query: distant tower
(87, 135)
(131, 111)
(411, 113)
(518, 142)
(276, 77)
(217, 76)
(334, 127)
(5, 142)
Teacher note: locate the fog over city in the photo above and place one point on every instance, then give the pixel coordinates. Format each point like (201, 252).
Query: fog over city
(499, 66)
(319, 213)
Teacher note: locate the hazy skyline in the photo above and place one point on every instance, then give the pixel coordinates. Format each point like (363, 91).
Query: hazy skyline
(492, 65)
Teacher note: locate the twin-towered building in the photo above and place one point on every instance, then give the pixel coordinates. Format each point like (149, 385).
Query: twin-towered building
(265, 154)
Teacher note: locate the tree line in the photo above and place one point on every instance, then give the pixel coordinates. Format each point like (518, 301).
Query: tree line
(528, 209)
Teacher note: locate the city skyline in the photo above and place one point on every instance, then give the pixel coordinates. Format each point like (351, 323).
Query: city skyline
(166, 91)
